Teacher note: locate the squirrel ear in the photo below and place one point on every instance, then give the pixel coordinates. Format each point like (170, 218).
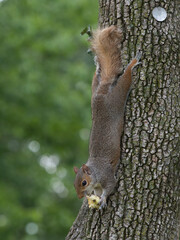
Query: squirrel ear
(86, 169)
(76, 170)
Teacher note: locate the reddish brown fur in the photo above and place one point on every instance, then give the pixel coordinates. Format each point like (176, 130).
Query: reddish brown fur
(78, 184)
(106, 45)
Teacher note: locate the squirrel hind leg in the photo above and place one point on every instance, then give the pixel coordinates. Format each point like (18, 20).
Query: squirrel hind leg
(137, 58)
(134, 62)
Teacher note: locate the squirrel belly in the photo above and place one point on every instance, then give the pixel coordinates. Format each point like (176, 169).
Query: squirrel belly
(110, 89)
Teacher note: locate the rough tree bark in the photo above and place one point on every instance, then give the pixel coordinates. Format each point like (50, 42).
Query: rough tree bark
(146, 203)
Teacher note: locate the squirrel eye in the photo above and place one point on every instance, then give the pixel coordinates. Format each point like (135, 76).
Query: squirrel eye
(84, 182)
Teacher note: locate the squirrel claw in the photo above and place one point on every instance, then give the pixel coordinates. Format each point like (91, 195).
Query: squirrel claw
(138, 63)
(103, 204)
(138, 56)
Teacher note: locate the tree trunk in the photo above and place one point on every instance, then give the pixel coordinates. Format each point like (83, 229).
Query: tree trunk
(146, 203)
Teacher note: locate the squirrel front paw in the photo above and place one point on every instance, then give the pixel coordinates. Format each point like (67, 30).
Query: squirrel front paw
(103, 203)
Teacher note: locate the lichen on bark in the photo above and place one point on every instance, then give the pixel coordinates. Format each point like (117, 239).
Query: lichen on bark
(146, 204)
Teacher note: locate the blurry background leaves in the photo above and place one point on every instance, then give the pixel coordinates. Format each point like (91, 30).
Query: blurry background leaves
(45, 89)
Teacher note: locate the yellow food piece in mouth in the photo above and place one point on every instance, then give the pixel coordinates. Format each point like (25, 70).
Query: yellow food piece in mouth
(93, 201)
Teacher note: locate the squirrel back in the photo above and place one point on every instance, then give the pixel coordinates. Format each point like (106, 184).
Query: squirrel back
(106, 45)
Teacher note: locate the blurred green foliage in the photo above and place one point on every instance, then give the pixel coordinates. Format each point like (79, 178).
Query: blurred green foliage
(45, 90)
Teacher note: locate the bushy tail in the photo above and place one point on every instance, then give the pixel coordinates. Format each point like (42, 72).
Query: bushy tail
(106, 46)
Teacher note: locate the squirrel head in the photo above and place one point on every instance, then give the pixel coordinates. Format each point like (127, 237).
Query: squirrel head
(82, 180)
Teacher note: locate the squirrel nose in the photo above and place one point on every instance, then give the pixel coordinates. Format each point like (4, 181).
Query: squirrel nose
(81, 195)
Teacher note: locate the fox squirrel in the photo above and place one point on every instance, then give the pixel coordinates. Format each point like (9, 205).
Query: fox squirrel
(110, 89)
